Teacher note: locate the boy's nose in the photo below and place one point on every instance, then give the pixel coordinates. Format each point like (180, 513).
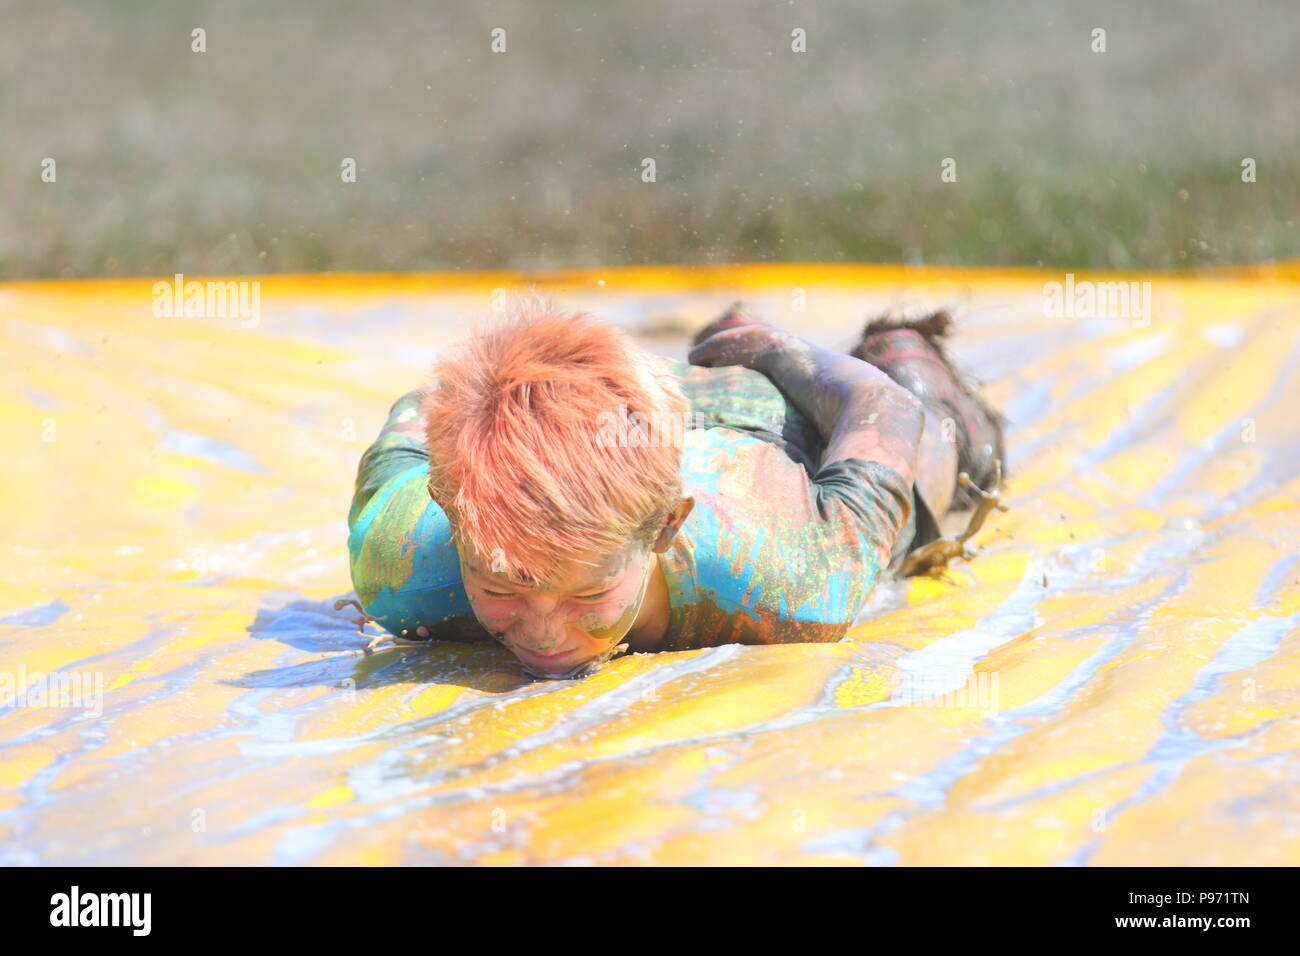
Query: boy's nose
(542, 634)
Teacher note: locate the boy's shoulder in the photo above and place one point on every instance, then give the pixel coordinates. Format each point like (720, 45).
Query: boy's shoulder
(404, 564)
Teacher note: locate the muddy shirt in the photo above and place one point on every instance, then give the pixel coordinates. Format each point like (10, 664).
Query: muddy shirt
(776, 550)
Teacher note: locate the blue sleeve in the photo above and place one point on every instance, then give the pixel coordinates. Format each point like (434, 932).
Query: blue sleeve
(402, 557)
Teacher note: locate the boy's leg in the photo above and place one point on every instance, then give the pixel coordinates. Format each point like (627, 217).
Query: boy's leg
(960, 459)
(961, 433)
(936, 466)
(911, 353)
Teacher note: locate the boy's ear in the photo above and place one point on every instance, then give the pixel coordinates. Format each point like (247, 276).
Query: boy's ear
(672, 524)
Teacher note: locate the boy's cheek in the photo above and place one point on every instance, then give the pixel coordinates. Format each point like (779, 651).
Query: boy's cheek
(612, 623)
(491, 614)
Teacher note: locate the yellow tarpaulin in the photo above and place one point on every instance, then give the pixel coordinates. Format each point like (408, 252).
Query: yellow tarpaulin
(1115, 679)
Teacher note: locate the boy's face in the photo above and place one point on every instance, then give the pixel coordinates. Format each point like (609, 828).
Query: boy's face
(572, 620)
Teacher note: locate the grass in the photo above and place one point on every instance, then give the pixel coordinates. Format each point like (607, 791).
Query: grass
(228, 161)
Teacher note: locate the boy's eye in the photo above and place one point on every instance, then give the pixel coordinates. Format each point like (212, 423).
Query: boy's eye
(595, 597)
(496, 594)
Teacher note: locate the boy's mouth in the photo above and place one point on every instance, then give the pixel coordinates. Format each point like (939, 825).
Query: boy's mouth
(551, 657)
(552, 661)
(563, 666)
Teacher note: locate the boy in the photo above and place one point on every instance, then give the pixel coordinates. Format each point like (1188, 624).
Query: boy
(572, 496)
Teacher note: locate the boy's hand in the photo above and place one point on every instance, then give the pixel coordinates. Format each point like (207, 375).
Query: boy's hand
(752, 346)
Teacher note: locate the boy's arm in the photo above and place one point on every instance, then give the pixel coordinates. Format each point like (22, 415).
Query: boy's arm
(859, 411)
(400, 445)
(863, 491)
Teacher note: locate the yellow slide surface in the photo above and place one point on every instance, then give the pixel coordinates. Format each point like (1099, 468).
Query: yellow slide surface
(1114, 679)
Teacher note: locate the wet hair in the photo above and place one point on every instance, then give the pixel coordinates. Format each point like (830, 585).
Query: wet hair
(528, 455)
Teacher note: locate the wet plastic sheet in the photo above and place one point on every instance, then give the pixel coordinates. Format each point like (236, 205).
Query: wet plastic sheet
(1115, 679)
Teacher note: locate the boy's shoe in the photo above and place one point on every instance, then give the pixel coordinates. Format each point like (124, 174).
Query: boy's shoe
(911, 353)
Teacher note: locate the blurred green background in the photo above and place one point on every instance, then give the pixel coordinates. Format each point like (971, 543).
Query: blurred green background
(229, 161)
